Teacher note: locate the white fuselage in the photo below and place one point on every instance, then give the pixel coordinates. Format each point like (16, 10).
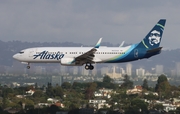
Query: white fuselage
(55, 54)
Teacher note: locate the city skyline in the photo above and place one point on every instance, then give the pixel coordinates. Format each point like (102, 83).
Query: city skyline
(113, 70)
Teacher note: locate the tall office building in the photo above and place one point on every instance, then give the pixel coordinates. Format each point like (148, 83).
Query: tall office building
(56, 80)
(114, 73)
(129, 69)
(173, 72)
(63, 70)
(104, 70)
(40, 70)
(84, 72)
(122, 71)
(140, 72)
(159, 69)
(75, 70)
(94, 71)
(178, 68)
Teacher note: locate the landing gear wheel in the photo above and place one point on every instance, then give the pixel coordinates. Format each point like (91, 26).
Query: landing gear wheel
(86, 67)
(28, 67)
(91, 67)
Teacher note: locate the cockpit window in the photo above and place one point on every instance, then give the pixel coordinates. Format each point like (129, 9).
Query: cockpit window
(21, 52)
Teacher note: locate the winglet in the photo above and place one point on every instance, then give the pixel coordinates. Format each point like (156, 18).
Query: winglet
(122, 44)
(98, 43)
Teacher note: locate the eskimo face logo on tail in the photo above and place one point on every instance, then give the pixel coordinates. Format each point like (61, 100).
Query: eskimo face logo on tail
(47, 55)
(154, 37)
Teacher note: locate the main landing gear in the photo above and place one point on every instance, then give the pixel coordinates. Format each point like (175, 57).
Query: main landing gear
(88, 66)
(28, 66)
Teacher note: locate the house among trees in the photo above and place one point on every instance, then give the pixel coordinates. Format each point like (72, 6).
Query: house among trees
(136, 90)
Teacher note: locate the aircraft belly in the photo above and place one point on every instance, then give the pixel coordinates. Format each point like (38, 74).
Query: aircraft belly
(43, 61)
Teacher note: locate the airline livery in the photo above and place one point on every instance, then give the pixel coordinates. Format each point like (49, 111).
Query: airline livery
(78, 56)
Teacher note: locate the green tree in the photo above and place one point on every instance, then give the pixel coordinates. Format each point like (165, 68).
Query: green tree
(107, 83)
(161, 78)
(89, 93)
(58, 91)
(49, 90)
(53, 109)
(145, 84)
(75, 85)
(107, 79)
(178, 110)
(38, 93)
(66, 85)
(150, 96)
(4, 102)
(158, 107)
(127, 83)
(163, 87)
(36, 85)
(137, 106)
(6, 91)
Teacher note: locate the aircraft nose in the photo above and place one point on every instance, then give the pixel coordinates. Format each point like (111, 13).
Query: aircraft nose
(15, 56)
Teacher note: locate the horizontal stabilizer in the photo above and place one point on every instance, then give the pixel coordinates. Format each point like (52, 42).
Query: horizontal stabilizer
(154, 50)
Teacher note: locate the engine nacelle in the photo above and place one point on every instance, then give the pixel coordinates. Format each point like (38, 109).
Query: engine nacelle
(67, 61)
(70, 62)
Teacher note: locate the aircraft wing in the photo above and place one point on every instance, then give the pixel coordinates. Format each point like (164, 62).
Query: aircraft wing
(89, 55)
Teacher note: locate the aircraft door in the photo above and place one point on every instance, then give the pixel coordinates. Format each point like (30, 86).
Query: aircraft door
(136, 53)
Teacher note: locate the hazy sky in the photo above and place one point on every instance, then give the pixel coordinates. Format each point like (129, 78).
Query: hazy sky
(85, 21)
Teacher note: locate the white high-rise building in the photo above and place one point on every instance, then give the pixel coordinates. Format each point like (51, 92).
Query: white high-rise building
(84, 72)
(122, 71)
(104, 70)
(129, 69)
(178, 68)
(114, 72)
(63, 70)
(140, 72)
(94, 71)
(159, 69)
(75, 70)
(40, 70)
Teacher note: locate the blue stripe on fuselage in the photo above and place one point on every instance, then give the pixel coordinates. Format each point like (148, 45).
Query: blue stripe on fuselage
(126, 57)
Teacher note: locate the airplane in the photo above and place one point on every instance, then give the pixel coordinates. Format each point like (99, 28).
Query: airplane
(78, 56)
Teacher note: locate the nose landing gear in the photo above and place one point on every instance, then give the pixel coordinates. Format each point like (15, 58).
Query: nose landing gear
(28, 66)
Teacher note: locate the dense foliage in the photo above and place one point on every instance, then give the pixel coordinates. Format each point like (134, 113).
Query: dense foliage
(78, 94)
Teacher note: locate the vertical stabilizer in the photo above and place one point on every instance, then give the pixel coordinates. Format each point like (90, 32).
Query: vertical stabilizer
(153, 38)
